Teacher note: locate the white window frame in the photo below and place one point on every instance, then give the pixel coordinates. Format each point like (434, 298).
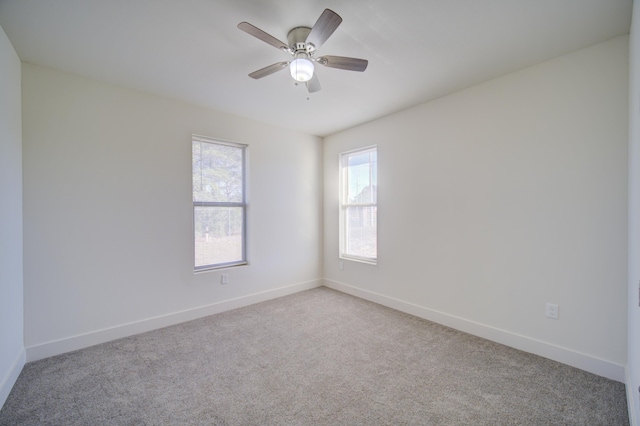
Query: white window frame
(242, 204)
(345, 205)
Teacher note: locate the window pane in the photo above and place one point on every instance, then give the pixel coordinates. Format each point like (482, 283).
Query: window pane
(362, 178)
(361, 232)
(217, 172)
(218, 235)
(359, 198)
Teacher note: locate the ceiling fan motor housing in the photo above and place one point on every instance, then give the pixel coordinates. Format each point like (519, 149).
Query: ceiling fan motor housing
(297, 39)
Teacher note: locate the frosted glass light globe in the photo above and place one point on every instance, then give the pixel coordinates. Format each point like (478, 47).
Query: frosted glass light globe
(301, 69)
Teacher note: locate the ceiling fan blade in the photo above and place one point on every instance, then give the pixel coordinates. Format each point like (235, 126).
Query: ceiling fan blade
(323, 28)
(343, 63)
(313, 85)
(267, 38)
(269, 70)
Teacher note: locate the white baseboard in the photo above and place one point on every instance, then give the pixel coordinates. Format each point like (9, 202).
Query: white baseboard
(57, 347)
(632, 399)
(564, 355)
(12, 375)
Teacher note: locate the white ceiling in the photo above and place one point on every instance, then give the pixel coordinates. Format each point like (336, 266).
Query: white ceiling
(191, 50)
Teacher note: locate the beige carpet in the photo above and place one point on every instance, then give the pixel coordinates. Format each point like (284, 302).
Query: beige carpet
(318, 357)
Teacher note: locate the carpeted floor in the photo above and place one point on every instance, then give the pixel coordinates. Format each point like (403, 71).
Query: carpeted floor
(317, 357)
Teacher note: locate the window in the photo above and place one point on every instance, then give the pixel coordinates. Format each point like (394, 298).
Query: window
(359, 205)
(219, 205)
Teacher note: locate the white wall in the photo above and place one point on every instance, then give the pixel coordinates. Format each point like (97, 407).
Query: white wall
(500, 198)
(12, 354)
(108, 213)
(633, 370)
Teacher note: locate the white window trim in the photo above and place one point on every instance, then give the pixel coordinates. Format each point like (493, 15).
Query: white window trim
(343, 207)
(244, 261)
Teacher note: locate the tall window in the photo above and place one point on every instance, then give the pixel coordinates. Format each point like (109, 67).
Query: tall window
(219, 204)
(359, 205)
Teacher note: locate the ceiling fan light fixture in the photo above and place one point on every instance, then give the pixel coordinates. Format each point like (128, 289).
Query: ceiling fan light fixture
(302, 43)
(301, 68)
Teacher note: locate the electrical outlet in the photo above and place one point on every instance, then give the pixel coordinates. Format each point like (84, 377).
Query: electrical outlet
(552, 311)
(342, 266)
(224, 279)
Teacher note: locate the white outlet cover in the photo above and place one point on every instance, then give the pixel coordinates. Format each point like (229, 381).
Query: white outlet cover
(552, 311)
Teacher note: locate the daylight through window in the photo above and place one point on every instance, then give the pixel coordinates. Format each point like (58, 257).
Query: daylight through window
(359, 205)
(219, 205)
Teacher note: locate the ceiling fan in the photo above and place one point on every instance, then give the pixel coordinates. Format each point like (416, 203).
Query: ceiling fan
(302, 45)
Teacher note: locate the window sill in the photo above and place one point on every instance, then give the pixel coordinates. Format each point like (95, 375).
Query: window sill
(219, 267)
(366, 260)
